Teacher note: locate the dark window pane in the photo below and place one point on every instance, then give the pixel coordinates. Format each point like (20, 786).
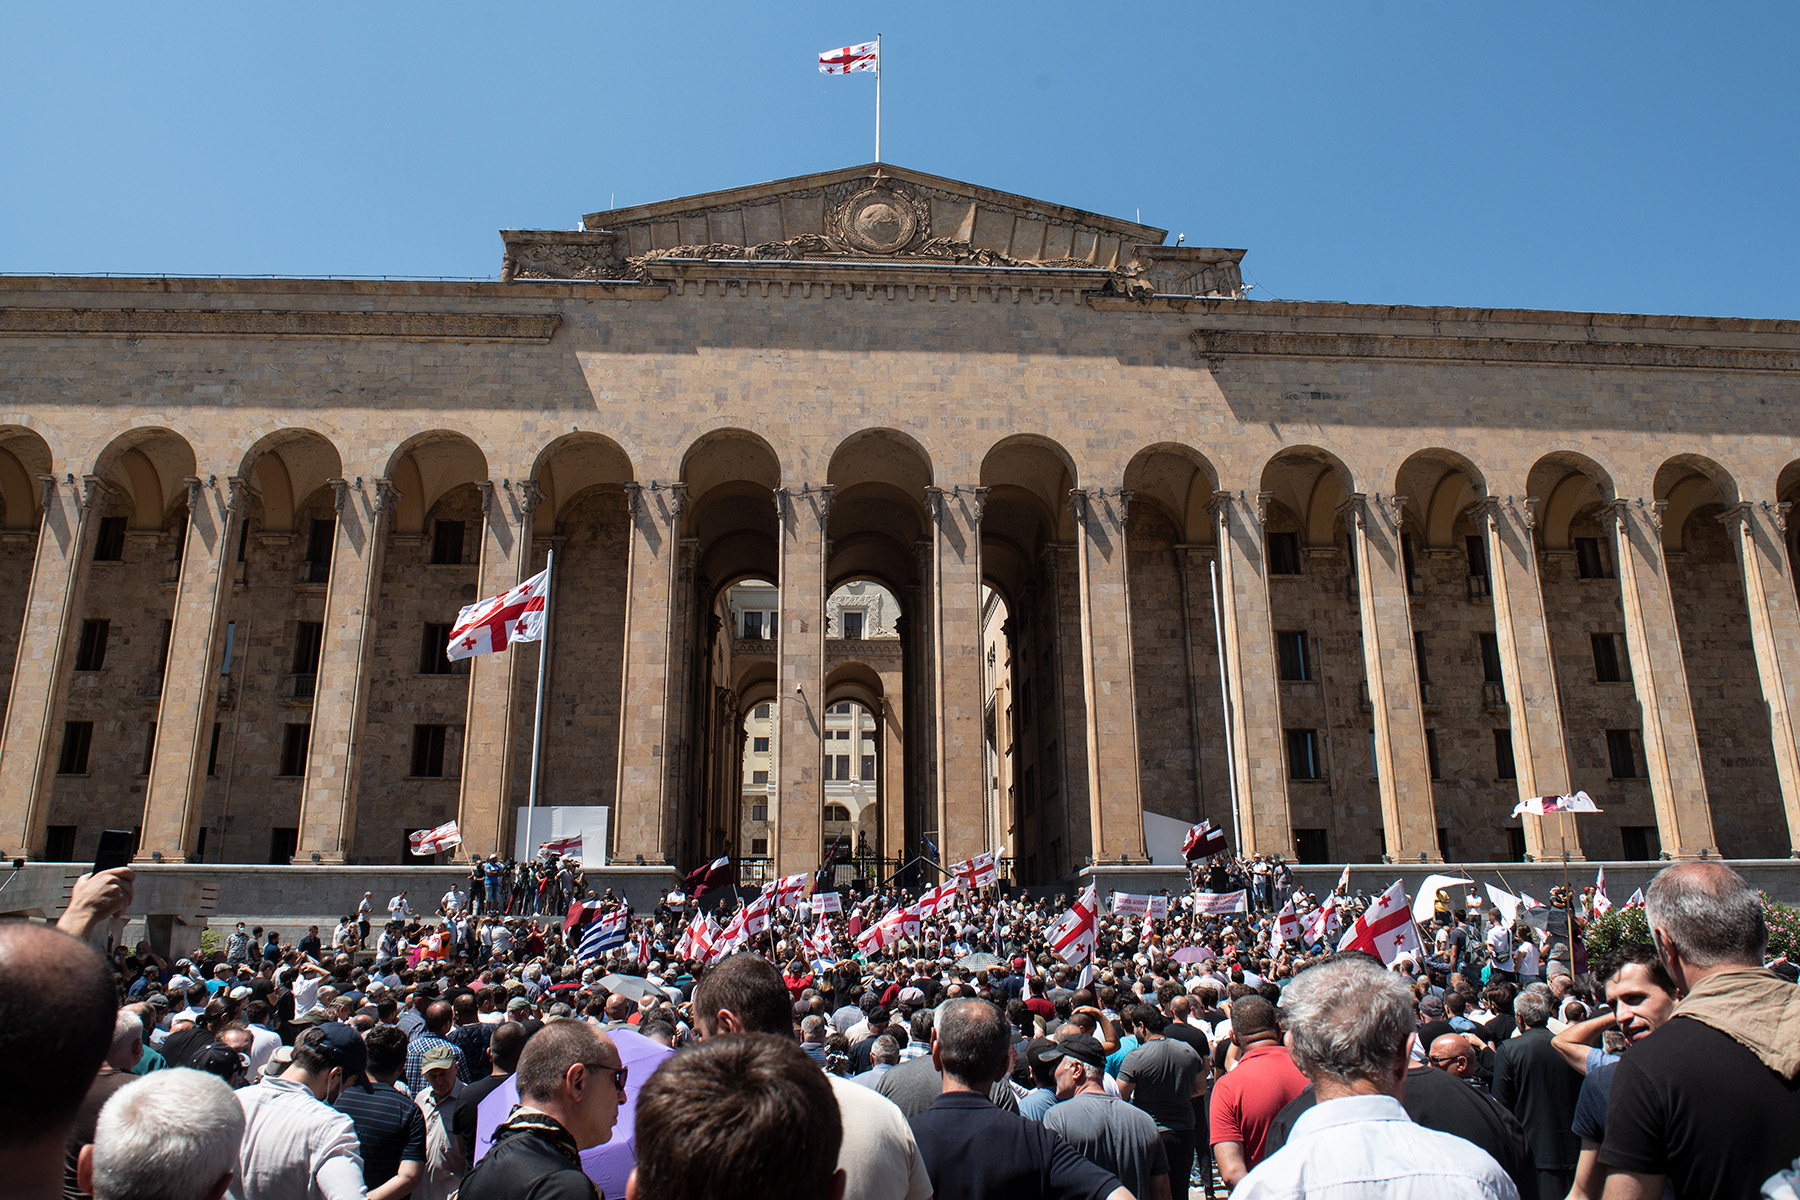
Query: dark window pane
(1431, 753)
(1290, 651)
(284, 842)
(1606, 659)
(447, 542)
(1590, 561)
(90, 653)
(1312, 845)
(1284, 553)
(428, 751)
(212, 755)
(1503, 755)
(1303, 753)
(1622, 753)
(293, 749)
(1490, 657)
(77, 736)
(109, 543)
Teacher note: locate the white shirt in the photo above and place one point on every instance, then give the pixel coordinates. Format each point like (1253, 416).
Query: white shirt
(397, 907)
(1367, 1148)
(1499, 940)
(1527, 957)
(263, 1044)
(295, 1145)
(879, 1154)
(452, 900)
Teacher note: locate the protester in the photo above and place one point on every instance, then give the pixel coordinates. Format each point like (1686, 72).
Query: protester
(782, 1139)
(1246, 1102)
(1109, 1131)
(571, 1083)
(1710, 1102)
(390, 1128)
(1349, 1022)
(174, 1135)
(1532, 1080)
(1162, 1077)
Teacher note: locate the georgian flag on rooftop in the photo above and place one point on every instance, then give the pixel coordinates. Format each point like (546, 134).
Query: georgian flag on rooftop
(864, 56)
(1580, 802)
(490, 625)
(430, 841)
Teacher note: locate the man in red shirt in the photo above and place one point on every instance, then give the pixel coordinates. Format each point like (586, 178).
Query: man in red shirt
(1246, 1101)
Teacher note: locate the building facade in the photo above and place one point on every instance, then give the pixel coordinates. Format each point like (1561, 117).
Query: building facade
(1348, 579)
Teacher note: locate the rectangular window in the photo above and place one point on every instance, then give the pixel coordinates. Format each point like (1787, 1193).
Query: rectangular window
(759, 846)
(1515, 843)
(309, 638)
(1490, 657)
(293, 750)
(109, 544)
(868, 767)
(1503, 755)
(1621, 752)
(434, 638)
(59, 843)
(230, 647)
(759, 778)
(1303, 753)
(212, 754)
(1606, 659)
(90, 652)
(1284, 553)
(318, 549)
(762, 712)
(447, 542)
(1312, 845)
(1419, 659)
(1478, 559)
(428, 751)
(759, 812)
(77, 737)
(759, 745)
(1291, 657)
(853, 625)
(162, 653)
(1640, 842)
(149, 749)
(284, 843)
(1590, 559)
(843, 768)
(1431, 754)
(753, 629)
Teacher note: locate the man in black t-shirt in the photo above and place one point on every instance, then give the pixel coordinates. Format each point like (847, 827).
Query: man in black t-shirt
(1711, 1101)
(389, 1126)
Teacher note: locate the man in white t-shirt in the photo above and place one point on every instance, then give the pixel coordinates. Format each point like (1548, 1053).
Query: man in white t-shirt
(1499, 942)
(452, 901)
(398, 908)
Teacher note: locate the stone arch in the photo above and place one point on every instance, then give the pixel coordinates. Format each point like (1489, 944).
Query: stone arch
(569, 466)
(878, 512)
(1439, 486)
(1312, 483)
(731, 477)
(286, 467)
(1028, 478)
(1685, 484)
(1179, 481)
(146, 467)
(24, 455)
(426, 466)
(1565, 484)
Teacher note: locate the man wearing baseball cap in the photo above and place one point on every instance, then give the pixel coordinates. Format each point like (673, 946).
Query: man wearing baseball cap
(295, 1143)
(1109, 1132)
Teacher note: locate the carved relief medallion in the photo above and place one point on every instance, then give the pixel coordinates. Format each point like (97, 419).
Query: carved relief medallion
(881, 219)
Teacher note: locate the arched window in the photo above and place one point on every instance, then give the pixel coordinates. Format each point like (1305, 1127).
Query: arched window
(836, 812)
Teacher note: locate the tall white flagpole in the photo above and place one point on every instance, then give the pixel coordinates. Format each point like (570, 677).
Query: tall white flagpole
(878, 97)
(537, 717)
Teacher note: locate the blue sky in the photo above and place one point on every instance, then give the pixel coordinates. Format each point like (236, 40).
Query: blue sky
(1602, 156)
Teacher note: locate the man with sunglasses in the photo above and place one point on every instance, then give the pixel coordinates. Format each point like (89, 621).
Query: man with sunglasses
(571, 1083)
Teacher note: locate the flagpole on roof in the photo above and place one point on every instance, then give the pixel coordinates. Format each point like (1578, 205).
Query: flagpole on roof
(878, 97)
(537, 716)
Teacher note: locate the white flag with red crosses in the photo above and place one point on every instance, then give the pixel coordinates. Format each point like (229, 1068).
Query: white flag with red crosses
(490, 625)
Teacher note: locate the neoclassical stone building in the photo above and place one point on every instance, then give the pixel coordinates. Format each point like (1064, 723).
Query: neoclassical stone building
(1451, 557)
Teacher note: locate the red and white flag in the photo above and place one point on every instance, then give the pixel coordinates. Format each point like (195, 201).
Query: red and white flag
(817, 942)
(978, 872)
(563, 847)
(1202, 841)
(790, 890)
(938, 900)
(1542, 806)
(1637, 899)
(864, 56)
(697, 939)
(1343, 882)
(1075, 932)
(730, 937)
(1602, 903)
(756, 916)
(1287, 926)
(493, 624)
(1386, 930)
(1318, 923)
(643, 944)
(430, 841)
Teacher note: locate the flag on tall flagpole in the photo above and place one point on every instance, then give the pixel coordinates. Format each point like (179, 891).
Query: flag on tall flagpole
(491, 625)
(1203, 841)
(1580, 802)
(1073, 936)
(864, 56)
(563, 847)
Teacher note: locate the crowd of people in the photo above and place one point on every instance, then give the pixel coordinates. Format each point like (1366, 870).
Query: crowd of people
(501, 1054)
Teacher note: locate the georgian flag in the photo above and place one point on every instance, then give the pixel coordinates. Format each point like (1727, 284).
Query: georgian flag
(490, 625)
(1580, 802)
(1318, 923)
(1075, 932)
(1602, 903)
(430, 841)
(978, 872)
(864, 56)
(1637, 899)
(938, 900)
(790, 890)
(568, 847)
(730, 938)
(697, 939)
(817, 942)
(1287, 926)
(1202, 841)
(1386, 930)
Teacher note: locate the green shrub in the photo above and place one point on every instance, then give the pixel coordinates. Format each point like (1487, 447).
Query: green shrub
(209, 942)
(1623, 925)
(1784, 927)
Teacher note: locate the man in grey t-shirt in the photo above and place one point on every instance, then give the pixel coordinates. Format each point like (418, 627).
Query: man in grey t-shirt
(1110, 1133)
(1161, 1077)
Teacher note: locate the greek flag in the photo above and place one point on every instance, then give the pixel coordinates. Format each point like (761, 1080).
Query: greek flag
(606, 933)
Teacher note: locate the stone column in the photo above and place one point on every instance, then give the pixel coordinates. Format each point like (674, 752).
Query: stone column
(1659, 676)
(644, 802)
(1186, 557)
(1775, 634)
(1528, 668)
(1115, 801)
(960, 681)
(804, 512)
(892, 843)
(486, 786)
(340, 696)
(1253, 705)
(40, 682)
(1402, 775)
(190, 692)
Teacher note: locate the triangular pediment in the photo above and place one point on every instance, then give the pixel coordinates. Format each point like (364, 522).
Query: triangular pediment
(878, 214)
(878, 211)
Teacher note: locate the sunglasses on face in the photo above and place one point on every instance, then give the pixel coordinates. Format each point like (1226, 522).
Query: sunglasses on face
(618, 1074)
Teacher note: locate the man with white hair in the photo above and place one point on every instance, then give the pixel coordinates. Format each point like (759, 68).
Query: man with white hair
(1348, 1023)
(172, 1135)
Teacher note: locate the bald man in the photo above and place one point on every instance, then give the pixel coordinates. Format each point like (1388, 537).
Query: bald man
(1452, 1054)
(58, 1008)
